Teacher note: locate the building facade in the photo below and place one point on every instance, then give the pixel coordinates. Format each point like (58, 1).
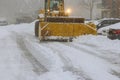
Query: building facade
(110, 9)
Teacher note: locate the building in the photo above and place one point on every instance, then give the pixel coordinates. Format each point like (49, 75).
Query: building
(110, 9)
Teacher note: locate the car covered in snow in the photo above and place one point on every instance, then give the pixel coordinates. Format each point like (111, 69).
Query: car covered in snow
(106, 22)
(112, 31)
(3, 22)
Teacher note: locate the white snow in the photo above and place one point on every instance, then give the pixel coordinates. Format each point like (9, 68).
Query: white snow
(23, 57)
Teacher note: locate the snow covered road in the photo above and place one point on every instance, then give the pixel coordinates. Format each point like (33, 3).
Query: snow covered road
(23, 57)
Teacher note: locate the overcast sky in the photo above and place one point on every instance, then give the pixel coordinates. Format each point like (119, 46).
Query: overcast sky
(11, 7)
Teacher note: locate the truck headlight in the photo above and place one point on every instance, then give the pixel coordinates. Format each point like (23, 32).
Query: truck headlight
(68, 11)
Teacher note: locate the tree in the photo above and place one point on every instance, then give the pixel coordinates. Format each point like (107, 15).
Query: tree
(89, 5)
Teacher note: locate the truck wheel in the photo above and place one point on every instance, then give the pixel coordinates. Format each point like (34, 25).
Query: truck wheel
(37, 28)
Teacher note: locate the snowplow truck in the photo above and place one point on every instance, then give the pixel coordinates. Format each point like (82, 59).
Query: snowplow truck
(56, 24)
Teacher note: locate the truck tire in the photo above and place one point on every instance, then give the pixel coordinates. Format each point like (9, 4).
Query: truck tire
(37, 28)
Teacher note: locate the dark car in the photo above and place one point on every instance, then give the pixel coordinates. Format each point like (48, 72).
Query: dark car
(107, 22)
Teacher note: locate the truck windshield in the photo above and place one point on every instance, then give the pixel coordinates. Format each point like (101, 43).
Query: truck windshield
(54, 5)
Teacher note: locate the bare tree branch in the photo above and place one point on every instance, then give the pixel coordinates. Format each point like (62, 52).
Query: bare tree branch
(88, 4)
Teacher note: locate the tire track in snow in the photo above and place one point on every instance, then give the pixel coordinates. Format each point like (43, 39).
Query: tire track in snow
(68, 66)
(38, 68)
(90, 50)
(61, 47)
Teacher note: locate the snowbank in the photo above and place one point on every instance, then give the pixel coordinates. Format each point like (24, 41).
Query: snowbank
(99, 41)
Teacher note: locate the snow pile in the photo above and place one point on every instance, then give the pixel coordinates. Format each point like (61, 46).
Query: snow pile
(100, 42)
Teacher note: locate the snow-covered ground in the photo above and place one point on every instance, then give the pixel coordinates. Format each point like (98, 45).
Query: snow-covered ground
(23, 57)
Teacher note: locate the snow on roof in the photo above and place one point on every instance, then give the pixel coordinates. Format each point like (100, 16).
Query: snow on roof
(110, 19)
(98, 21)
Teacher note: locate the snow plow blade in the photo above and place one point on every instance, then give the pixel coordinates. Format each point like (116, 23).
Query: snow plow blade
(56, 29)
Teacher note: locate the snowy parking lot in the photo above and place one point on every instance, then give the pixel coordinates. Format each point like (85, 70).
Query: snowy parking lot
(23, 57)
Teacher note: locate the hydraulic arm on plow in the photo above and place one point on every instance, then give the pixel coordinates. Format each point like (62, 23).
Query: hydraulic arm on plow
(55, 23)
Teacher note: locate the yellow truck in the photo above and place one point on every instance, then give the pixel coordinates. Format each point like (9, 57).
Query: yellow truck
(56, 24)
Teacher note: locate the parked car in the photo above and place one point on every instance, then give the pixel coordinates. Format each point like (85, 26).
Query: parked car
(112, 31)
(3, 22)
(107, 22)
